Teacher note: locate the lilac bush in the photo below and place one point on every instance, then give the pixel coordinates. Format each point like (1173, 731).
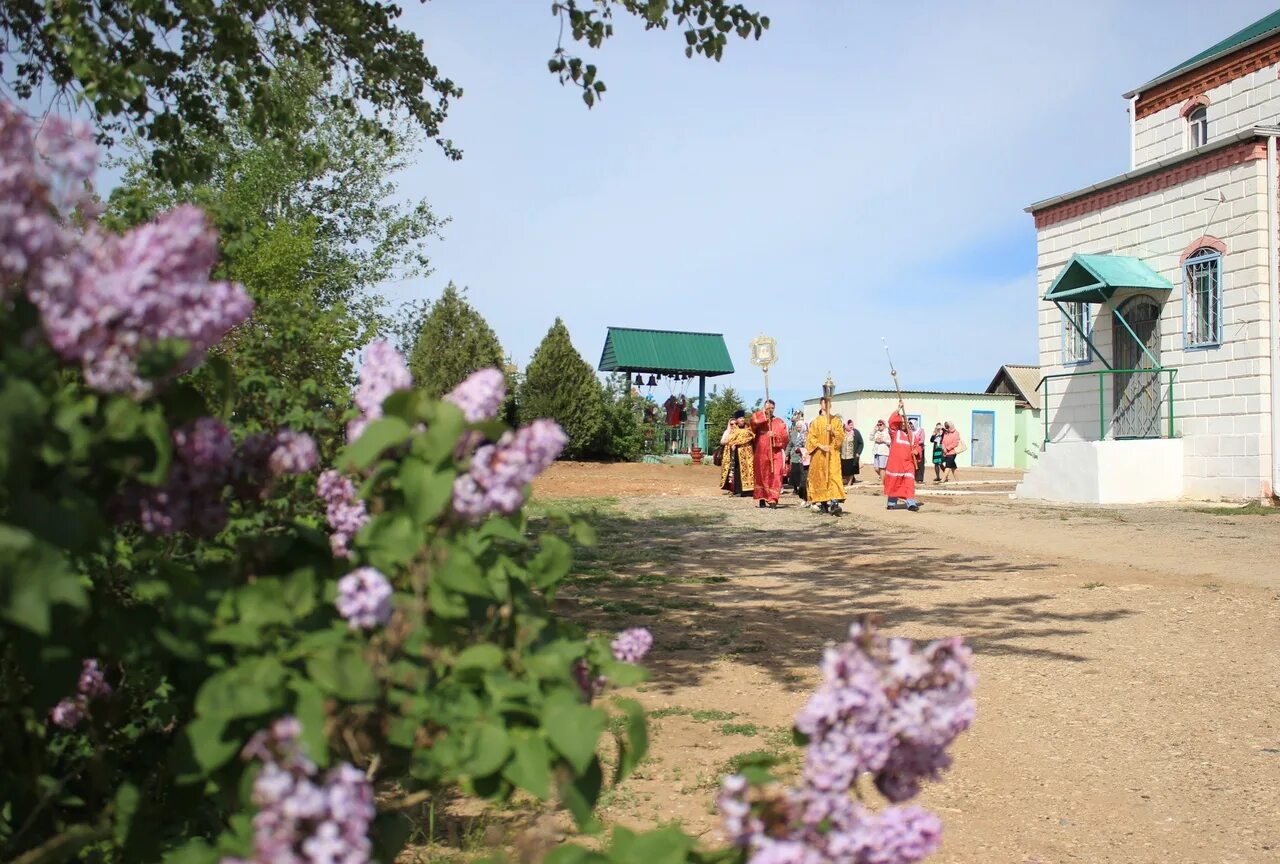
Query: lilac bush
(884, 709)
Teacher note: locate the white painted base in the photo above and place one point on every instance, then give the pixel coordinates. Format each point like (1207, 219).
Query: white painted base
(1106, 472)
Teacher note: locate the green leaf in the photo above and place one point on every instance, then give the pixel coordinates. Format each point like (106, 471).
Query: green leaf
(437, 444)
(308, 707)
(249, 689)
(580, 795)
(567, 853)
(667, 845)
(392, 539)
(157, 431)
(459, 572)
(552, 562)
(484, 657)
(489, 750)
(530, 765)
(426, 493)
(195, 851)
(343, 672)
(379, 435)
(637, 741)
(209, 750)
(126, 808)
(34, 577)
(574, 731)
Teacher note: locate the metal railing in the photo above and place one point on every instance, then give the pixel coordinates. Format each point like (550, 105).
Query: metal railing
(1147, 396)
(663, 440)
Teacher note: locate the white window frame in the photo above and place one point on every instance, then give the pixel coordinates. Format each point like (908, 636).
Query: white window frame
(1202, 278)
(1075, 348)
(1197, 127)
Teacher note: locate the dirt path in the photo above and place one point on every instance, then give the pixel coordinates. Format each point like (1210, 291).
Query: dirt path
(1127, 713)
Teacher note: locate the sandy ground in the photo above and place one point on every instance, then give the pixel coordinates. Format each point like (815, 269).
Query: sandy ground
(1128, 707)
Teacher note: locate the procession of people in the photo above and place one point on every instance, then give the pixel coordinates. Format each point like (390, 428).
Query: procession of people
(820, 459)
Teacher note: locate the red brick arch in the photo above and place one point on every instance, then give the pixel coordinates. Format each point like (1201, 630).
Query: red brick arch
(1205, 242)
(1193, 103)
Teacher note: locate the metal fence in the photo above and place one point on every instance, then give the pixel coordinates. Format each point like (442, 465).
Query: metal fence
(663, 440)
(1130, 403)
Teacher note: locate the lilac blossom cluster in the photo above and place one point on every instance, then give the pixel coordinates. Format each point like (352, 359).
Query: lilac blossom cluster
(364, 598)
(92, 685)
(264, 456)
(885, 710)
(480, 395)
(632, 644)
(44, 175)
(382, 373)
(499, 472)
(345, 512)
(191, 499)
(104, 299)
(303, 819)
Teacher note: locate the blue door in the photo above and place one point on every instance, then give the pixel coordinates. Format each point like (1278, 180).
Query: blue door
(982, 449)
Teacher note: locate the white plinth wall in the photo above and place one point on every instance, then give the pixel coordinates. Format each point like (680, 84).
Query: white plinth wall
(1107, 472)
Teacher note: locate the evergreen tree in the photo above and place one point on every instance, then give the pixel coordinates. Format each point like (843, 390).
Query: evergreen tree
(621, 434)
(453, 342)
(559, 384)
(720, 407)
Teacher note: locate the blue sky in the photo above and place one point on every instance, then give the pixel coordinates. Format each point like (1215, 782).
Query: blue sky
(858, 173)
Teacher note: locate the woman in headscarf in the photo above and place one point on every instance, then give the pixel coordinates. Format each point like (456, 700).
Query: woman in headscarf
(848, 462)
(737, 471)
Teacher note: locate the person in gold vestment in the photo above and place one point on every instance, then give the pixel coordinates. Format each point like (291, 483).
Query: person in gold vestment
(826, 433)
(737, 471)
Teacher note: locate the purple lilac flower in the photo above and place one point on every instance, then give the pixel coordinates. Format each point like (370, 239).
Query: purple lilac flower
(91, 686)
(382, 373)
(43, 176)
(68, 713)
(303, 817)
(885, 708)
(364, 598)
(345, 512)
(632, 644)
(136, 290)
(191, 498)
(480, 395)
(294, 453)
(499, 472)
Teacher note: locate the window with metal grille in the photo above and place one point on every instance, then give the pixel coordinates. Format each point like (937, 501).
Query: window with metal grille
(1202, 299)
(1198, 126)
(1075, 348)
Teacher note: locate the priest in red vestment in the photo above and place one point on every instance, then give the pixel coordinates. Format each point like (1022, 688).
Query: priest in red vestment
(900, 473)
(771, 445)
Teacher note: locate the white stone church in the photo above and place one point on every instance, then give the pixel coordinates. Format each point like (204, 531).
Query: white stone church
(1158, 323)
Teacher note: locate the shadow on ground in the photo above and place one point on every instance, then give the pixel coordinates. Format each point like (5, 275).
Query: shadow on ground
(712, 590)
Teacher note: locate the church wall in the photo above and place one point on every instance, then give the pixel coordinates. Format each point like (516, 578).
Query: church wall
(1251, 100)
(1221, 397)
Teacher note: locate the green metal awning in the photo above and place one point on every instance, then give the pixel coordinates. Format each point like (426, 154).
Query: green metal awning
(1096, 278)
(666, 352)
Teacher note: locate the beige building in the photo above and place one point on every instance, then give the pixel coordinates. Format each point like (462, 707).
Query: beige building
(1158, 321)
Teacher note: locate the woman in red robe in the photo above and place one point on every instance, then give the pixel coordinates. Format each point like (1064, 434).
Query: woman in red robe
(900, 473)
(771, 442)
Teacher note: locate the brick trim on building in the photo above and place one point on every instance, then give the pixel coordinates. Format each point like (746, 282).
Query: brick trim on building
(1233, 65)
(1174, 175)
(1205, 242)
(1192, 104)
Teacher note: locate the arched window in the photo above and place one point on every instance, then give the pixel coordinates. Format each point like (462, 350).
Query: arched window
(1198, 126)
(1202, 297)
